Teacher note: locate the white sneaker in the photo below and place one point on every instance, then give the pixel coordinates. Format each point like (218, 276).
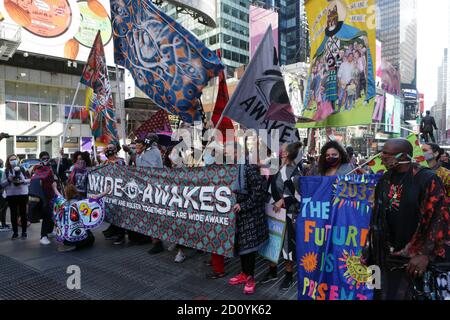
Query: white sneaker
(180, 257)
(44, 241)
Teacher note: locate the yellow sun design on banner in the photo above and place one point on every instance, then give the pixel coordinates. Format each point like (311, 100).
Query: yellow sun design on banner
(356, 273)
(309, 262)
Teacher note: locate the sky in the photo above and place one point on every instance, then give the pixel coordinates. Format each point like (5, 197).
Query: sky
(432, 38)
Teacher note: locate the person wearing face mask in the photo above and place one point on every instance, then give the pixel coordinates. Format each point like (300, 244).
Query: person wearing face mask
(111, 151)
(283, 187)
(333, 161)
(433, 153)
(409, 224)
(114, 232)
(44, 174)
(79, 174)
(445, 161)
(149, 156)
(3, 203)
(15, 183)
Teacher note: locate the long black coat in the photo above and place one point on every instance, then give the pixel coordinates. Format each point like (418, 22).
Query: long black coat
(251, 222)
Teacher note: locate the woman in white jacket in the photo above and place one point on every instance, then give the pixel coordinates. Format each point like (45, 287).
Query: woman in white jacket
(16, 183)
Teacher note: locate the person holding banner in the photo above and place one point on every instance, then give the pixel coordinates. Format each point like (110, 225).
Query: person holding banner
(433, 153)
(113, 232)
(409, 224)
(284, 188)
(333, 161)
(251, 222)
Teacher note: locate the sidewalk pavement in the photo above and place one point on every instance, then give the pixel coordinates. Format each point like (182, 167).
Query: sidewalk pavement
(32, 271)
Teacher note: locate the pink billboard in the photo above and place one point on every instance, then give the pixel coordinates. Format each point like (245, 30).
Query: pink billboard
(260, 19)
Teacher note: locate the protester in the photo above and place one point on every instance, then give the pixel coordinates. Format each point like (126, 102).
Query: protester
(79, 173)
(409, 224)
(3, 203)
(149, 156)
(114, 232)
(433, 153)
(171, 160)
(427, 124)
(333, 161)
(251, 223)
(351, 156)
(284, 188)
(45, 175)
(445, 160)
(74, 219)
(15, 184)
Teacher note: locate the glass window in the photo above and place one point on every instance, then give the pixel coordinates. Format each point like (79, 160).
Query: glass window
(22, 111)
(55, 113)
(11, 111)
(21, 92)
(45, 113)
(46, 144)
(34, 112)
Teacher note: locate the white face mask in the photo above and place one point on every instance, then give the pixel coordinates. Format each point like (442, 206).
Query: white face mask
(13, 163)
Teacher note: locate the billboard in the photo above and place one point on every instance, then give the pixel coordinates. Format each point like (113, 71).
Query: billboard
(260, 19)
(393, 107)
(341, 83)
(60, 28)
(204, 9)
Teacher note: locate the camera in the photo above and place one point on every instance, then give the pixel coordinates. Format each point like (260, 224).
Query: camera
(4, 136)
(17, 179)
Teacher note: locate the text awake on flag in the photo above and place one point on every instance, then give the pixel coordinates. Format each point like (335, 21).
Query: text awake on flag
(95, 76)
(169, 64)
(259, 92)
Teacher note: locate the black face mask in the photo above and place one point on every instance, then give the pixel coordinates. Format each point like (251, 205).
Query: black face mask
(332, 162)
(109, 153)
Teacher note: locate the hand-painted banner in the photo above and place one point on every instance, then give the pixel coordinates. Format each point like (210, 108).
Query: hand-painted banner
(277, 229)
(341, 84)
(188, 206)
(332, 228)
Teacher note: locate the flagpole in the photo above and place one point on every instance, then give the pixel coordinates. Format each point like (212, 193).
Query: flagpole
(93, 138)
(66, 126)
(362, 165)
(121, 113)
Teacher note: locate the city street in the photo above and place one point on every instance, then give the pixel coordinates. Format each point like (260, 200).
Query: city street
(32, 271)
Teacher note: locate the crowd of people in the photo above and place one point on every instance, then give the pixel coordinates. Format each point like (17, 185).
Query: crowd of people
(409, 227)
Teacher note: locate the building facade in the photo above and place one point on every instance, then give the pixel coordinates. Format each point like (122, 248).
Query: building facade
(397, 30)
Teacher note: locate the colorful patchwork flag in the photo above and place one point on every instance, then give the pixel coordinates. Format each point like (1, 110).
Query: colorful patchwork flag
(95, 76)
(168, 63)
(157, 123)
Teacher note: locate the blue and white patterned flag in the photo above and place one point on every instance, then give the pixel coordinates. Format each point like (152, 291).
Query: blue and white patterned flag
(168, 63)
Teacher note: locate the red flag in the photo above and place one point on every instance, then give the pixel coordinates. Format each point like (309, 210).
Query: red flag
(158, 122)
(221, 102)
